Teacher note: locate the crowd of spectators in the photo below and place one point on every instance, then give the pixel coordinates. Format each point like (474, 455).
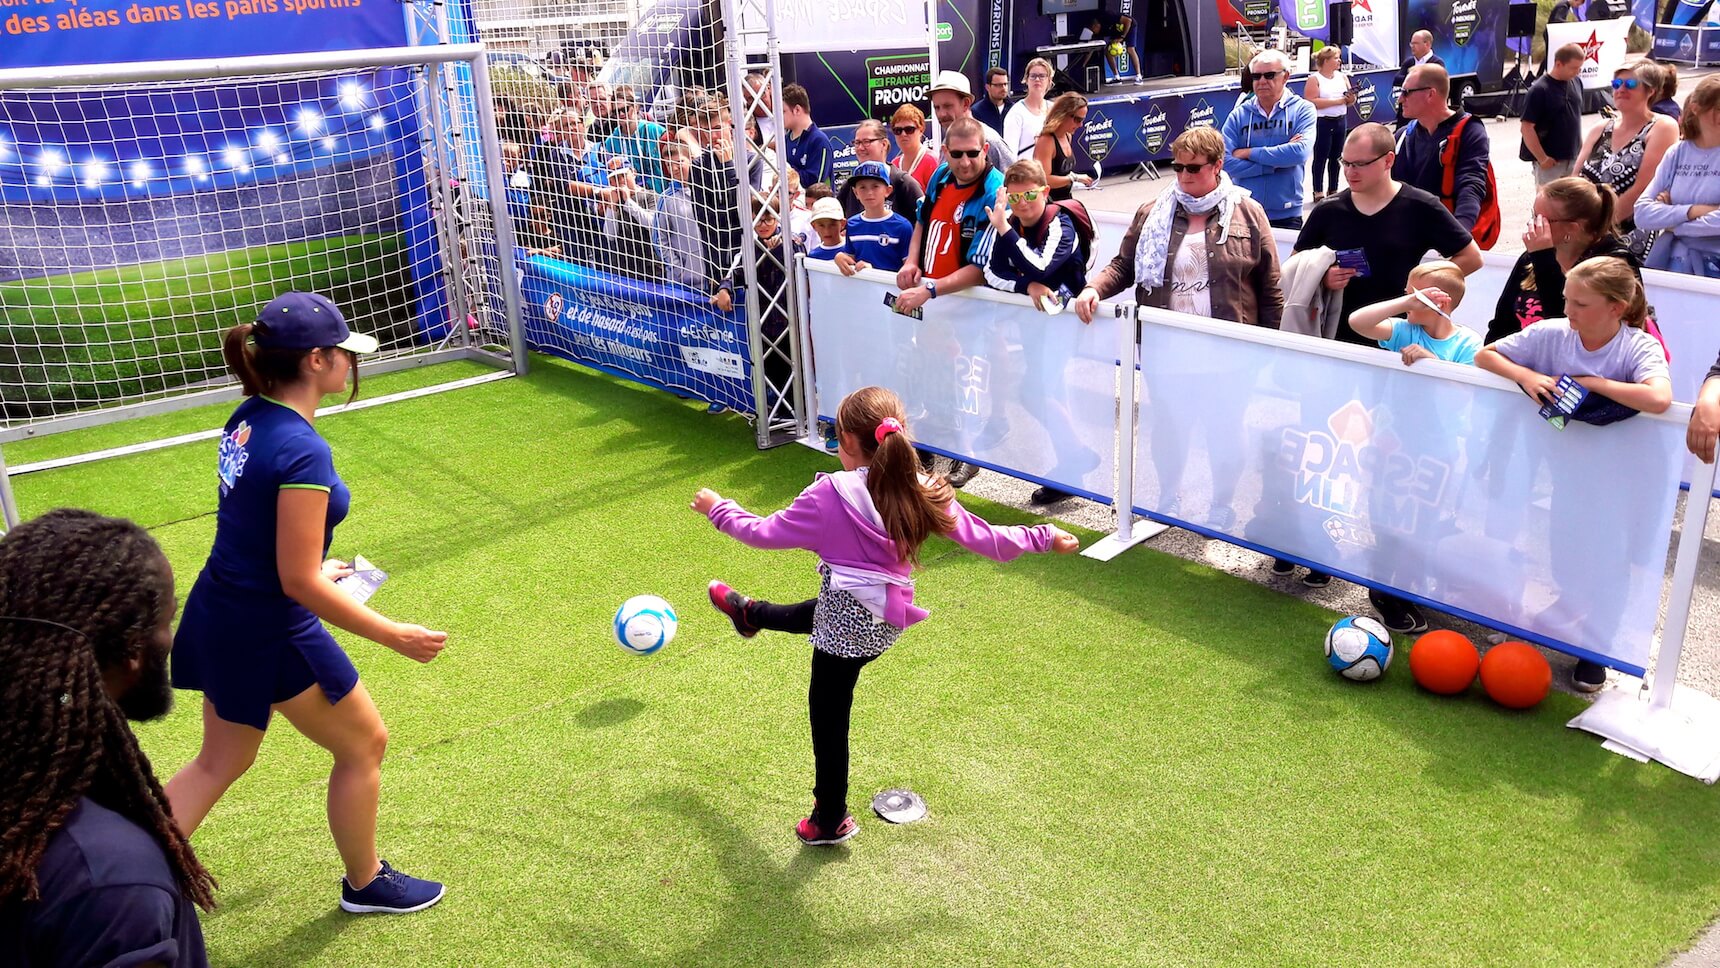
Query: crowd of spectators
(605, 185)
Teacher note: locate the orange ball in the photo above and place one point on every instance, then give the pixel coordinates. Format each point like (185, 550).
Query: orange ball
(1444, 662)
(1515, 675)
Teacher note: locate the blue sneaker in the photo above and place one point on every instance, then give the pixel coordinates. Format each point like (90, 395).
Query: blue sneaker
(390, 892)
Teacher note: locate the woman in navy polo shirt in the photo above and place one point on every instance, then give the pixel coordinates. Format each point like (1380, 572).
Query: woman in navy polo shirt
(252, 638)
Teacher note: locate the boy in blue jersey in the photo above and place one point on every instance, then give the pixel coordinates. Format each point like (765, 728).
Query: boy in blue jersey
(808, 148)
(827, 224)
(877, 238)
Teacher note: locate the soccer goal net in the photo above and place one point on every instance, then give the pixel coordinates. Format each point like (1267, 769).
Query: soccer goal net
(637, 170)
(146, 209)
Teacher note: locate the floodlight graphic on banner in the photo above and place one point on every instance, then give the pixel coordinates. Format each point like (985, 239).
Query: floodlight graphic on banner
(818, 25)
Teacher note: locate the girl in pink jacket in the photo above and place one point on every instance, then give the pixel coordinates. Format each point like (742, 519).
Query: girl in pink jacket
(866, 524)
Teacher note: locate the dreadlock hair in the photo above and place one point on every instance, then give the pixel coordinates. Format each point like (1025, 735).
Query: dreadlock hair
(913, 509)
(79, 593)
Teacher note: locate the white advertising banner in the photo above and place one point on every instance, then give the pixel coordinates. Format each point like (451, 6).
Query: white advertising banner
(1602, 41)
(821, 25)
(1376, 32)
(1432, 481)
(984, 377)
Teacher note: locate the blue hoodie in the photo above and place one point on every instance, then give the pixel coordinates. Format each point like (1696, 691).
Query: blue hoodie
(1275, 169)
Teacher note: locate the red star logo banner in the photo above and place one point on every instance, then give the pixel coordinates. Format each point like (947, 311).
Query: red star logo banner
(1592, 48)
(1362, 5)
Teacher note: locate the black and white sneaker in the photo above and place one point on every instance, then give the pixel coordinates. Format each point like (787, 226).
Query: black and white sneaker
(1316, 579)
(1282, 568)
(1588, 676)
(1398, 615)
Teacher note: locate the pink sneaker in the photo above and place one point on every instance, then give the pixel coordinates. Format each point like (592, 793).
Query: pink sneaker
(811, 836)
(733, 604)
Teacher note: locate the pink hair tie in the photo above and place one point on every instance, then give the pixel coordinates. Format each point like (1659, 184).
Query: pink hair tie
(886, 427)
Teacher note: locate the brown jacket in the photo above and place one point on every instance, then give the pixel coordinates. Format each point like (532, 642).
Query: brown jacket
(1244, 269)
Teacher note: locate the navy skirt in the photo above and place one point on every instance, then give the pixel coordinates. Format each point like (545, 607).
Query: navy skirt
(245, 651)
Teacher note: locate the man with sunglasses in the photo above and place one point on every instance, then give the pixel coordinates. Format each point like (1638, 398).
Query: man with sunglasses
(1268, 138)
(872, 143)
(1422, 145)
(953, 235)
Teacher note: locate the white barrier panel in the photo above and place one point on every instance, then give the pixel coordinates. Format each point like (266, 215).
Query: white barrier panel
(985, 377)
(1437, 481)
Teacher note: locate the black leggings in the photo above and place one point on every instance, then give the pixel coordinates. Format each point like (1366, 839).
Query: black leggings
(1328, 148)
(829, 700)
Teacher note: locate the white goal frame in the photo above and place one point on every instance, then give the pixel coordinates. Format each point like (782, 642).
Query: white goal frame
(471, 227)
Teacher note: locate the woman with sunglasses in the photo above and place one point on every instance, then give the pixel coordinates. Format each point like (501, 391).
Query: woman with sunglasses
(1205, 248)
(1026, 119)
(1055, 149)
(1684, 197)
(908, 124)
(1624, 153)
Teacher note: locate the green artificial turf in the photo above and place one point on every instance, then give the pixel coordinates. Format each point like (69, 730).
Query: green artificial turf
(137, 331)
(1129, 763)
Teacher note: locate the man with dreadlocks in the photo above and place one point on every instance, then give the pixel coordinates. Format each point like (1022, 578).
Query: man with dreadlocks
(93, 870)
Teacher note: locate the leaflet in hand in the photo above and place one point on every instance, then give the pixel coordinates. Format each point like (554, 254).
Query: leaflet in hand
(1568, 396)
(365, 579)
(890, 300)
(1356, 259)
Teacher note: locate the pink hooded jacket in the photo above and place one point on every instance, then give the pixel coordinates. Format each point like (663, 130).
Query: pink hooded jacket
(834, 518)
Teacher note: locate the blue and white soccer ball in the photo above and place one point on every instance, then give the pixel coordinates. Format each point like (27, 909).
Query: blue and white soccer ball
(644, 624)
(1359, 648)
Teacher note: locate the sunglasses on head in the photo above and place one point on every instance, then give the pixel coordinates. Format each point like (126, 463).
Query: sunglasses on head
(1189, 168)
(1267, 75)
(1628, 83)
(905, 129)
(966, 153)
(1016, 198)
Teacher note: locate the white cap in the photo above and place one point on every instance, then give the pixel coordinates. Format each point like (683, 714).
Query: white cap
(952, 81)
(827, 208)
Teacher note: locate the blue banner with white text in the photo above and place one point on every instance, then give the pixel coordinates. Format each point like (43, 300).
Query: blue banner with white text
(57, 33)
(658, 334)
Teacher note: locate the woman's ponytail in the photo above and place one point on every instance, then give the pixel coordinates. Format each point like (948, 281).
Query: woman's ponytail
(912, 509)
(236, 348)
(262, 370)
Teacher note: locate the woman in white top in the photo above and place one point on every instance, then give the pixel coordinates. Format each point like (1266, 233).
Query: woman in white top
(1331, 93)
(1021, 127)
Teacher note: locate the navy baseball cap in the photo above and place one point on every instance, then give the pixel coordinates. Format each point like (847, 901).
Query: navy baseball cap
(305, 321)
(871, 169)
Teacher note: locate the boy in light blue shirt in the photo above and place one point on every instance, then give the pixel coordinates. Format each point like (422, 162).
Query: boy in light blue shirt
(1418, 324)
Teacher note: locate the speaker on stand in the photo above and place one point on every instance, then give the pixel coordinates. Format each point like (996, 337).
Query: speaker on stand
(1341, 24)
(1519, 25)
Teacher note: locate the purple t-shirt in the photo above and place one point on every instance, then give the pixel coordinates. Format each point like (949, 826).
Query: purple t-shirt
(108, 898)
(1553, 348)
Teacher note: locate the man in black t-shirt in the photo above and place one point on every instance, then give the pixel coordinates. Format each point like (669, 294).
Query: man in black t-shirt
(1393, 225)
(1553, 117)
(84, 639)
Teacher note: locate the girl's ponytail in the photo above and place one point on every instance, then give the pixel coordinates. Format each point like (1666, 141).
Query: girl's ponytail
(912, 509)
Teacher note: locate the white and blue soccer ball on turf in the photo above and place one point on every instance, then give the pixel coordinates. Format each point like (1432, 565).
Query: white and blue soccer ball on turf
(1359, 648)
(644, 624)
